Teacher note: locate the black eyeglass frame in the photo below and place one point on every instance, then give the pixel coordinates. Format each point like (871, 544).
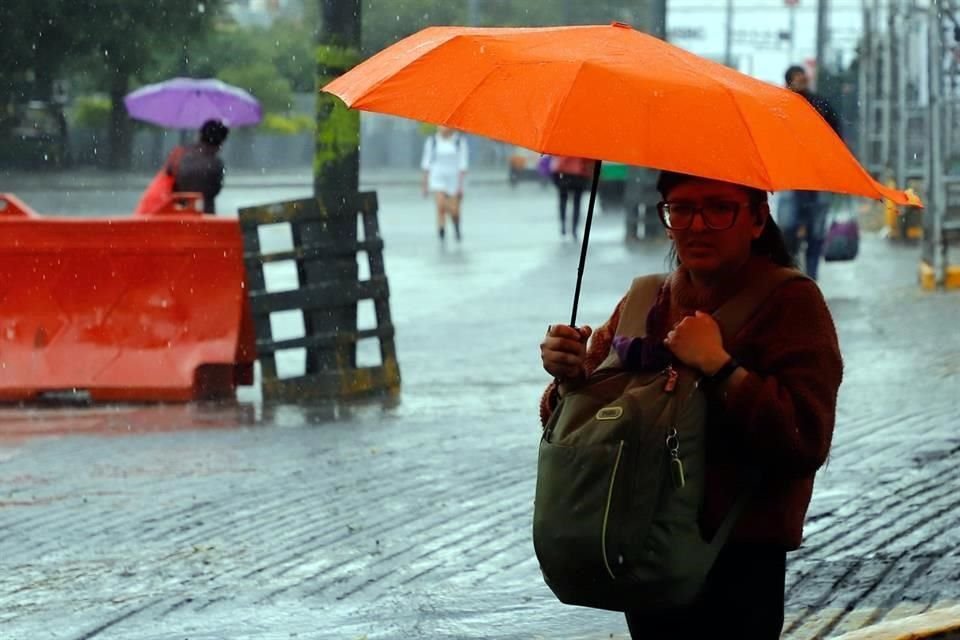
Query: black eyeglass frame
(663, 209)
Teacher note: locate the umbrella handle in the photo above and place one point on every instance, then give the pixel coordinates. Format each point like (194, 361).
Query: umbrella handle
(586, 241)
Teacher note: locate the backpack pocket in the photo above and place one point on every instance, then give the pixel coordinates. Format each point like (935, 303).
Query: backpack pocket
(581, 496)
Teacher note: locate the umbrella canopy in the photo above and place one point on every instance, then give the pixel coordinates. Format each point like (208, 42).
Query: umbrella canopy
(186, 103)
(610, 93)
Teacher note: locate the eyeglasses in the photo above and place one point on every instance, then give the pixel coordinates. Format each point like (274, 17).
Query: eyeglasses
(718, 215)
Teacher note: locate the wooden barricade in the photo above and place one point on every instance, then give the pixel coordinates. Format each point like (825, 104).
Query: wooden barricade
(328, 284)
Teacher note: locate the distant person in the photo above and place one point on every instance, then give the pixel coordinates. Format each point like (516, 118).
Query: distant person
(572, 178)
(807, 209)
(199, 167)
(444, 167)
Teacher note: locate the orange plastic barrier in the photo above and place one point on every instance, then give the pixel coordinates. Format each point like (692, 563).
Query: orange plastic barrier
(135, 308)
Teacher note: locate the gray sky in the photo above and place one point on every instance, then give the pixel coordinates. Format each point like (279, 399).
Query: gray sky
(764, 18)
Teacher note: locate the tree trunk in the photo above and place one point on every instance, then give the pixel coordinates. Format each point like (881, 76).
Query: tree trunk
(120, 133)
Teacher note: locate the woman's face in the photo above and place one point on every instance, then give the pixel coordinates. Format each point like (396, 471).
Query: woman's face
(713, 224)
(445, 132)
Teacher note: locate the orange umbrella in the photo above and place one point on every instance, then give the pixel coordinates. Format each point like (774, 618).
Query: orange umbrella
(610, 93)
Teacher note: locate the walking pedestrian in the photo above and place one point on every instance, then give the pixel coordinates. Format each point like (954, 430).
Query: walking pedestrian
(444, 164)
(572, 178)
(807, 209)
(200, 168)
(771, 395)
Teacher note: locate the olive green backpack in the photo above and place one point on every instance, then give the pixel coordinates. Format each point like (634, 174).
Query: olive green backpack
(620, 477)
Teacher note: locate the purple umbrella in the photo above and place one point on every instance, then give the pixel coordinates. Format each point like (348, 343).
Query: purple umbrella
(186, 103)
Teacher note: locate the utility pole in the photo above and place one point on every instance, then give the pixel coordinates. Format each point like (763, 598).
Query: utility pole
(473, 12)
(658, 19)
(865, 84)
(903, 116)
(728, 44)
(823, 14)
(936, 187)
(886, 99)
(793, 33)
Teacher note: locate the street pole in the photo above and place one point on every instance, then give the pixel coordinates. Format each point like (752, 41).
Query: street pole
(864, 81)
(658, 19)
(336, 178)
(728, 43)
(890, 57)
(793, 34)
(937, 190)
(903, 116)
(823, 13)
(886, 99)
(473, 12)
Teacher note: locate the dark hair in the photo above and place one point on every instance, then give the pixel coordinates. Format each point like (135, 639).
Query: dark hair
(213, 133)
(770, 243)
(792, 71)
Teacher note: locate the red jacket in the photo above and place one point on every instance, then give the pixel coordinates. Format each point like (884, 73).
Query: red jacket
(778, 421)
(572, 166)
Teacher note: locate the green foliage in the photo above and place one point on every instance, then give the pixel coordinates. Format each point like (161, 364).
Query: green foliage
(292, 53)
(285, 125)
(261, 80)
(387, 21)
(92, 111)
(39, 38)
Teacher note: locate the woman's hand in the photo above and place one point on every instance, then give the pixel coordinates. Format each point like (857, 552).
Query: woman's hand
(564, 350)
(697, 343)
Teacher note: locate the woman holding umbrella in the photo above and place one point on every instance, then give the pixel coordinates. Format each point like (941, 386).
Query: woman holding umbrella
(773, 393)
(189, 103)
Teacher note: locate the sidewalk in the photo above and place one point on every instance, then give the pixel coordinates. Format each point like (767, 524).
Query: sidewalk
(413, 521)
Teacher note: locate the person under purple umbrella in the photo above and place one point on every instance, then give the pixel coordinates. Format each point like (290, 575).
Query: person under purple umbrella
(198, 167)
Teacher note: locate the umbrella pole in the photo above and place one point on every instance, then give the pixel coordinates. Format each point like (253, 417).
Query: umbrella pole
(586, 241)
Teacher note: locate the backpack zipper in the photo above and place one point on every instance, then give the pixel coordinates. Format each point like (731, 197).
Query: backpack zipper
(677, 474)
(606, 513)
(676, 464)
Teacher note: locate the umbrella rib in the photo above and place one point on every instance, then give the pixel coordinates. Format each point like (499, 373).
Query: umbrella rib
(460, 104)
(388, 77)
(559, 108)
(753, 141)
(736, 105)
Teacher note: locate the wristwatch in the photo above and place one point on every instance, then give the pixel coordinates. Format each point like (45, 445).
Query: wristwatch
(724, 372)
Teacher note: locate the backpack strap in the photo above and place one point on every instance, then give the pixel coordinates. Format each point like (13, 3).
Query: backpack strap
(640, 299)
(633, 316)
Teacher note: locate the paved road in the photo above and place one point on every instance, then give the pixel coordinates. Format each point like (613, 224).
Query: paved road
(413, 520)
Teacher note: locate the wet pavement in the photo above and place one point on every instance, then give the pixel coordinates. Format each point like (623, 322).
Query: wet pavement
(412, 519)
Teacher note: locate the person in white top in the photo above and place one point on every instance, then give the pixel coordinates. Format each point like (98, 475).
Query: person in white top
(444, 167)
